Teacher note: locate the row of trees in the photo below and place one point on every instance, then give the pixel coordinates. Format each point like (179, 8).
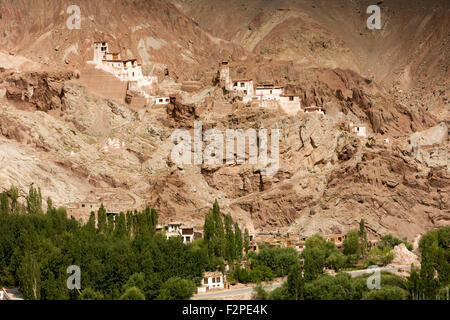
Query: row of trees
(119, 258)
(223, 237)
(309, 282)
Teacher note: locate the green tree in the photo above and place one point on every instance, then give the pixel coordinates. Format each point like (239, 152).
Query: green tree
(413, 284)
(219, 233)
(90, 294)
(336, 261)
(314, 262)
(14, 195)
(4, 203)
(120, 230)
(246, 241)
(230, 248)
(351, 243)
(295, 283)
(133, 293)
(101, 219)
(209, 233)
(363, 237)
(386, 293)
(238, 242)
(176, 289)
(34, 201)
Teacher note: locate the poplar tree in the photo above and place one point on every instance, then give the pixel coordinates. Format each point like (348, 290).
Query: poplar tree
(209, 233)
(238, 242)
(154, 220)
(14, 195)
(219, 234)
(230, 247)
(363, 237)
(4, 203)
(101, 219)
(246, 241)
(34, 201)
(120, 230)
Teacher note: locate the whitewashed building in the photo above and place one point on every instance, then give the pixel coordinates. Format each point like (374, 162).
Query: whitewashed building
(291, 104)
(125, 70)
(314, 109)
(360, 130)
(162, 100)
(213, 280)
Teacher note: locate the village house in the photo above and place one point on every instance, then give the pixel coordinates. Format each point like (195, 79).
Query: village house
(176, 229)
(311, 109)
(268, 91)
(360, 130)
(290, 103)
(165, 100)
(338, 239)
(212, 280)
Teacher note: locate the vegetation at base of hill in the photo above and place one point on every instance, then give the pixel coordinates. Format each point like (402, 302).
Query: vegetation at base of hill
(121, 259)
(124, 258)
(431, 282)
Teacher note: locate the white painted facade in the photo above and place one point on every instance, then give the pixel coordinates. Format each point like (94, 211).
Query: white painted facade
(268, 93)
(213, 280)
(360, 130)
(162, 100)
(224, 76)
(124, 70)
(245, 86)
(314, 109)
(290, 104)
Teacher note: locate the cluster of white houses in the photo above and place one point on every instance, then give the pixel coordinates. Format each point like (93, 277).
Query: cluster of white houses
(268, 95)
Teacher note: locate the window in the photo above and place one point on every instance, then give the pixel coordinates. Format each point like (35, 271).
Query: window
(245, 91)
(83, 205)
(160, 100)
(213, 280)
(205, 280)
(242, 84)
(270, 91)
(291, 98)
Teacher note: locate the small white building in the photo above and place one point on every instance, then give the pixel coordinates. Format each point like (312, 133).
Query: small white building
(224, 75)
(360, 130)
(315, 109)
(291, 104)
(245, 86)
(268, 91)
(188, 235)
(213, 280)
(162, 100)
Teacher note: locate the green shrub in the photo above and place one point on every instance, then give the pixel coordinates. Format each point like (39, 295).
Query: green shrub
(386, 293)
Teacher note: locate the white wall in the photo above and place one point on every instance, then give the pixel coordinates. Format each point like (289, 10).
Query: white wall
(290, 106)
(211, 285)
(165, 100)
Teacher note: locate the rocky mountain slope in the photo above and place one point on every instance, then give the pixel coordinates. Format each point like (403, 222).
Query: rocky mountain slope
(58, 131)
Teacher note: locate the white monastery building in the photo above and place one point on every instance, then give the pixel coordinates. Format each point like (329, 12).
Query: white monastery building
(125, 70)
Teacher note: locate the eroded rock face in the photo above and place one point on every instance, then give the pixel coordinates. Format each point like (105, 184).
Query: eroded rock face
(41, 91)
